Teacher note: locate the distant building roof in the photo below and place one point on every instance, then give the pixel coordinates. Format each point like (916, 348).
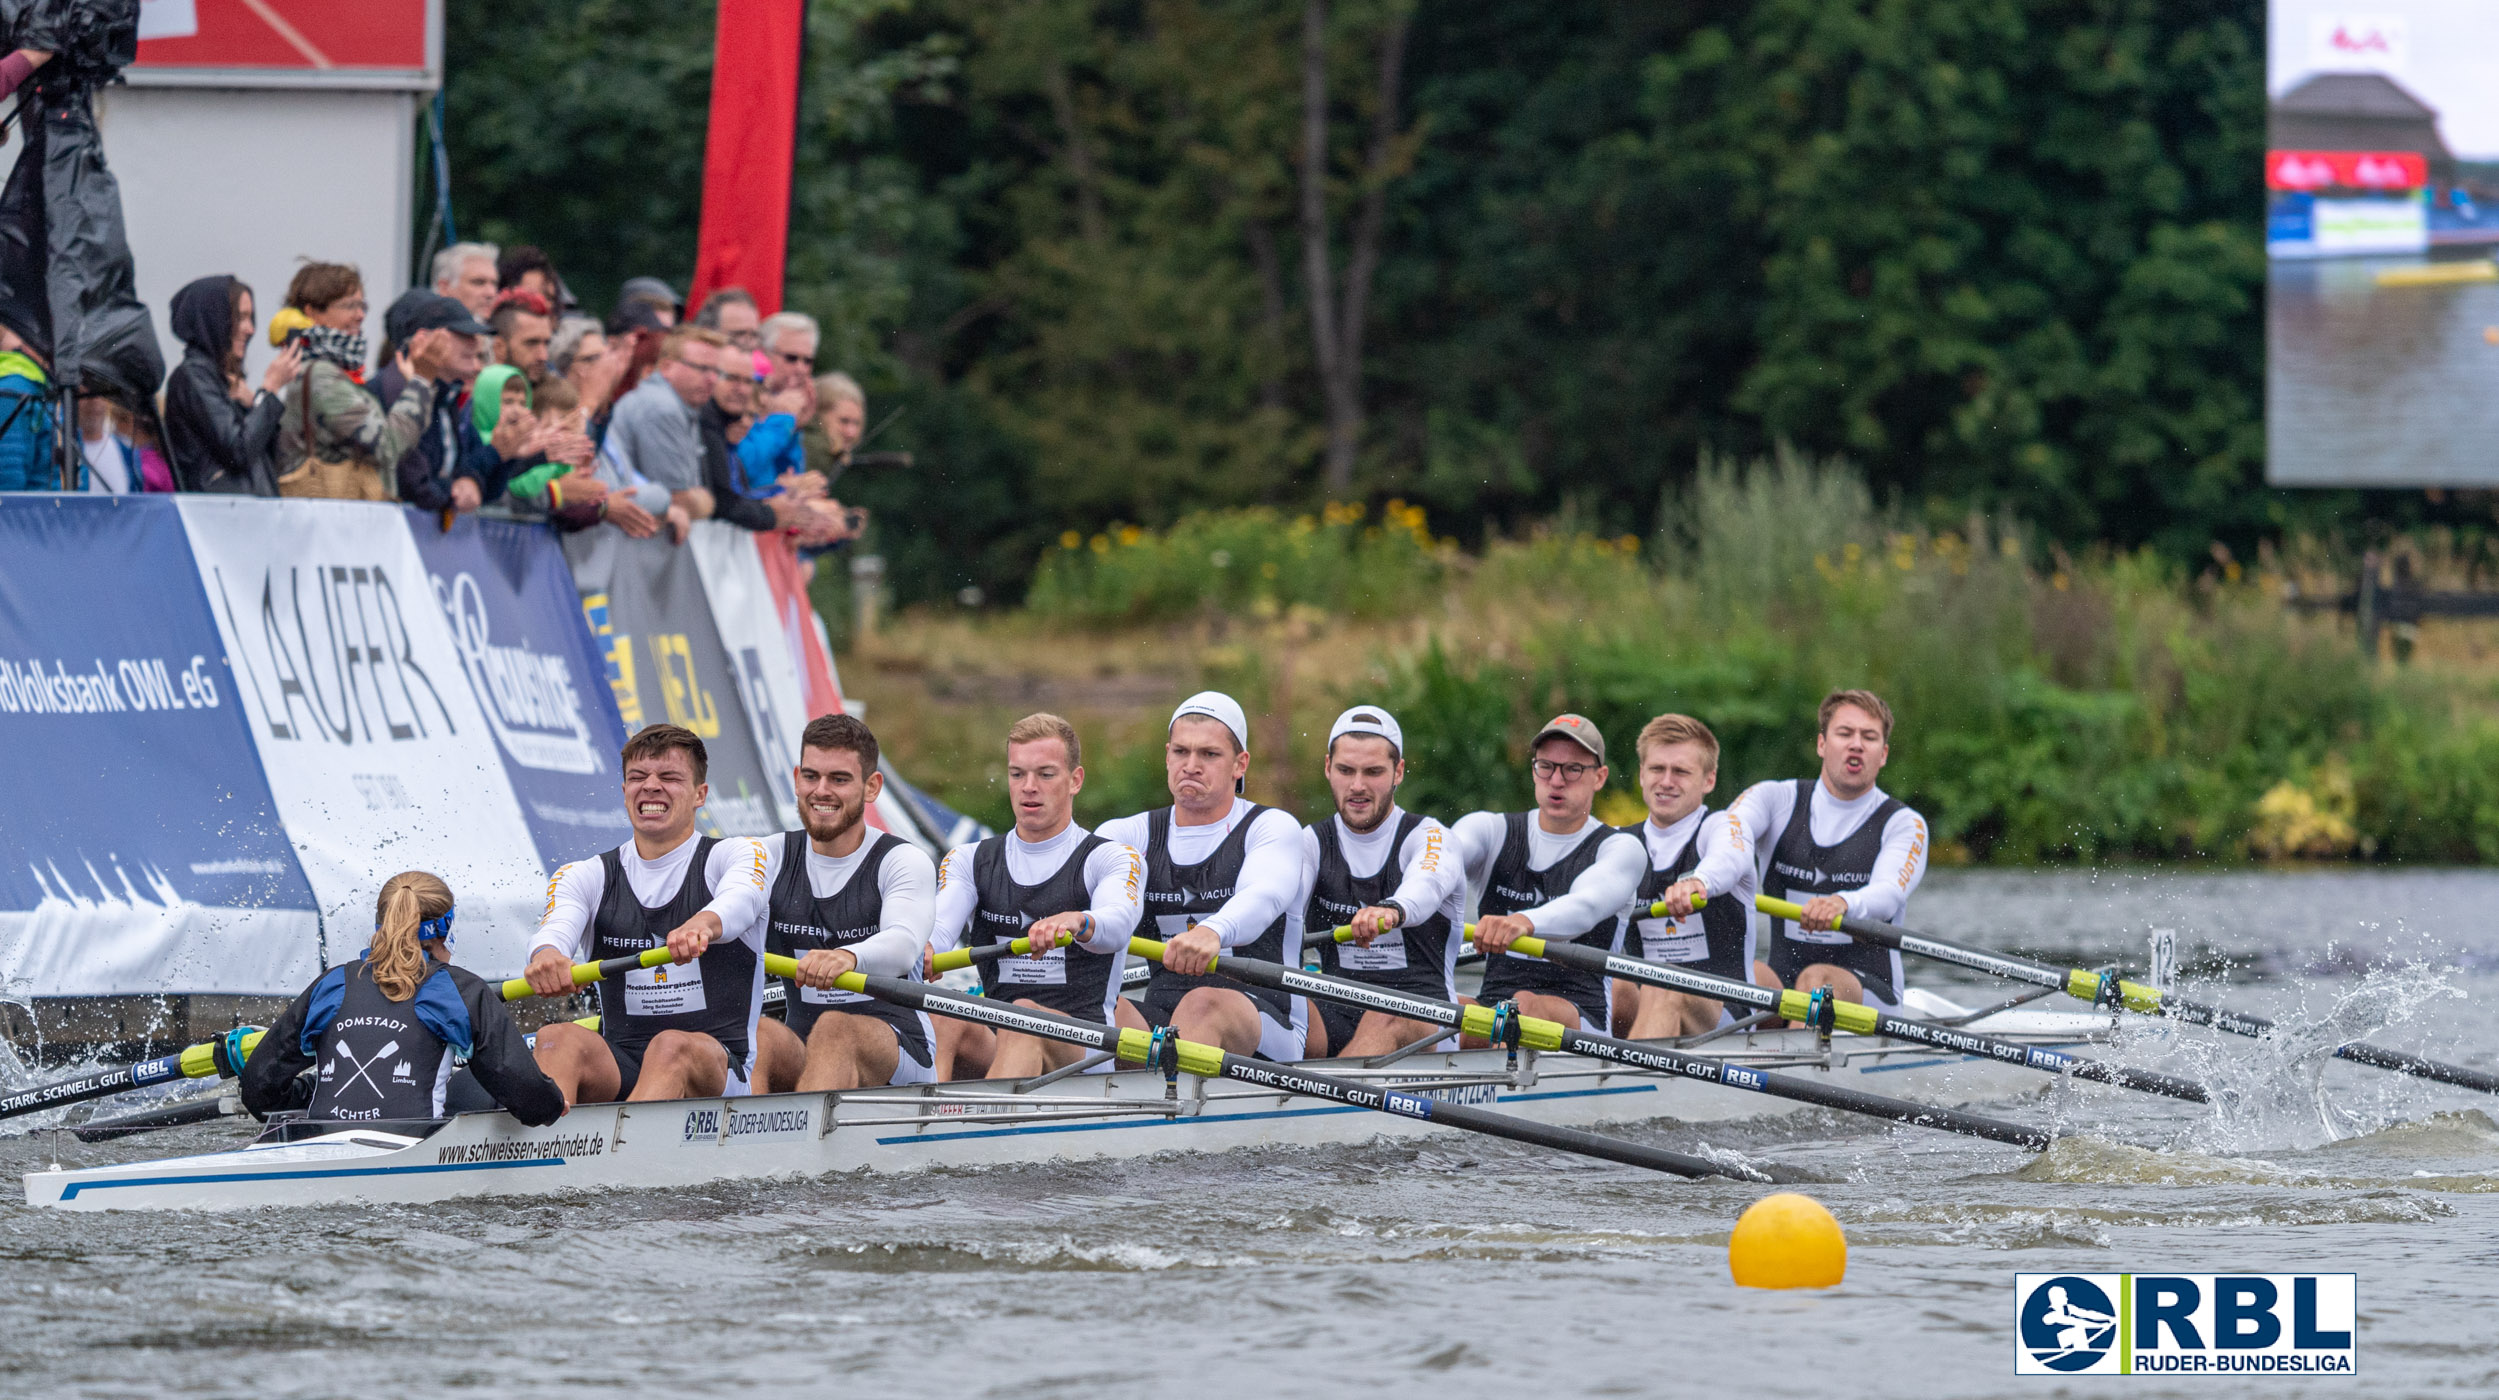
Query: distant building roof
(2354, 112)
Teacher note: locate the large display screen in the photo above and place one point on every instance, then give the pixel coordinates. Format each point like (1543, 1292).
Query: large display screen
(2381, 217)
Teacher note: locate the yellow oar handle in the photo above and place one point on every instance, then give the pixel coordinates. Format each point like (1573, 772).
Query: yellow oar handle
(1658, 910)
(518, 988)
(1135, 1047)
(200, 1061)
(962, 957)
(1152, 951)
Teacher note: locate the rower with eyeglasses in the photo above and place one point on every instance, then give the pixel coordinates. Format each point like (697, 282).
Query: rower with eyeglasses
(1557, 873)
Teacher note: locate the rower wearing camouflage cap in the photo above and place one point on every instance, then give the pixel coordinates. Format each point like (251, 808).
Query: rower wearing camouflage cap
(1557, 873)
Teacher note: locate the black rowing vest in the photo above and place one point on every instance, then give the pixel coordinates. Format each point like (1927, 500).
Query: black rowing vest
(1799, 870)
(802, 922)
(1074, 980)
(1716, 940)
(1411, 957)
(377, 1060)
(1513, 887)
(713, 995)
(1176, 896)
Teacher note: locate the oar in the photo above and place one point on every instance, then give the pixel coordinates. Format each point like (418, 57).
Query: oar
(2107, 989)
(224, 1056)
(1174, 1055)
(1539, 1034)
(1847, 1015)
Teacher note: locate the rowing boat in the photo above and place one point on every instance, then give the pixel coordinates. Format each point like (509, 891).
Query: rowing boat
(1124, 1113)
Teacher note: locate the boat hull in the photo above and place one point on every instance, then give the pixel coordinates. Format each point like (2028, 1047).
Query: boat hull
(1128, 1113)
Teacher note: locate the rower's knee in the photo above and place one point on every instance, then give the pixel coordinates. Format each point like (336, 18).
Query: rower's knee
(685, 1051)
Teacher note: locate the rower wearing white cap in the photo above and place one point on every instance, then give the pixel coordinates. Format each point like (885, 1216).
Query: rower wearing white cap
(1557, 873)
(1843, 847)
(1692, 851)
(1073, 893)
(1393, 875)
(1222, 875)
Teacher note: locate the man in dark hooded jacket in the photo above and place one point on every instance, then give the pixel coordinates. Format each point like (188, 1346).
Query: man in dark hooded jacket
(217, 441)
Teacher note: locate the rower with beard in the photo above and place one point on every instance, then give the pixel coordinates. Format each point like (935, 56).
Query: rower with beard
(1843, 847)
(845, 899)
(1390, 874)
(680, 1030)
(1555, 872)
(1222, 875)
(1072, 892)
(1692, 851)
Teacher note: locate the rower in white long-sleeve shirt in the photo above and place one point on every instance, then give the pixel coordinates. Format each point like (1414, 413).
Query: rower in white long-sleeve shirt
(1222, 875)
(1692, 851)
(1842, 846)
(1556, 872)
(1391, 875)
(1076, 895)
(845, 898)
(680, 1030)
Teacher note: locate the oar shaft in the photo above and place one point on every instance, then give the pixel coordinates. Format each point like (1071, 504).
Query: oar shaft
(1861, 1020)
(2086, 985)
(192, 1062)
(1212, 1062)
(1537, 1033)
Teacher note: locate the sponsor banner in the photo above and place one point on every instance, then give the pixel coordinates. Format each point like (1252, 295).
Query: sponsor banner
(644, 603)
(376, 749)
(516, 622)
(2186, 1324)
(147, 855)
(800, 627)
(751, 631)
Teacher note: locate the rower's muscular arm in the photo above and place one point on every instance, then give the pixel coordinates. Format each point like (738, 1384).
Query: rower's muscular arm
(1477, 840)
(1435, 874)
(1601, 892)
(1726, 863)
(1897, 870)
(956, 900)
(1115, 883)
(907, 882)
(573, 894)
(1271, 873)
(738, 876)
(1760, 814)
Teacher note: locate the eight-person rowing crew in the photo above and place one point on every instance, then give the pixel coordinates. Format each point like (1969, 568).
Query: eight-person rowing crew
(1212, 875)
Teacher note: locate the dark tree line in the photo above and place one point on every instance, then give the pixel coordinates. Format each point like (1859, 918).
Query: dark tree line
(1507, 258)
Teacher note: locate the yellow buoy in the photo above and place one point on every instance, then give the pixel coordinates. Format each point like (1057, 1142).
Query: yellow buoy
(1787, 1241)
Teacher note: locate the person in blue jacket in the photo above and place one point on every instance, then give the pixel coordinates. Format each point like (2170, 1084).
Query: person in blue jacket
(26, 461)
(383, 1034)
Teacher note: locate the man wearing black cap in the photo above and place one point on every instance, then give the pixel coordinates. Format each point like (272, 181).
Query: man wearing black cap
(1557, 873)
(450, 466)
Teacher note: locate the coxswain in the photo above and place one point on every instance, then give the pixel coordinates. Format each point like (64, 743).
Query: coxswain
(684, 1029)
(844, 899)
(1557, 873)
(1693, 851)
(382, 1034)
(1075, 894)
(1841, 846)
(1390, 874)
(1223, 874)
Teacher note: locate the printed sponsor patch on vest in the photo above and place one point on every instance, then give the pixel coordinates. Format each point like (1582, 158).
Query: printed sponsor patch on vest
(1674, 940)
(670, 989)
(1387, 953)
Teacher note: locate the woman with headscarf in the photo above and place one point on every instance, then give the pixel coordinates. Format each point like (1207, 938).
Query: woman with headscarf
(221, 433)
(382, 1033)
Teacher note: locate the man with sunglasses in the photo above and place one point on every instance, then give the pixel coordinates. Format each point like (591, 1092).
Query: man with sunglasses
(1557, 873)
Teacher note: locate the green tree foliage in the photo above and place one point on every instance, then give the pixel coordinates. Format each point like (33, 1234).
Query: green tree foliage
(2002, 253)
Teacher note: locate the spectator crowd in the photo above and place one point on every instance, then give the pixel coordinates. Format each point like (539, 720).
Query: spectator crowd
(491, 388)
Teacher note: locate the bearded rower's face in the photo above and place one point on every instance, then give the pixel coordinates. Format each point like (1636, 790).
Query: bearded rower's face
(1363, 772)
(833, 792)
(662, 796)
(1853, 752)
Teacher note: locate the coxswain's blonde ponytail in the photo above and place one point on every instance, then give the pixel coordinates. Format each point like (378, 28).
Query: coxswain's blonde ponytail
(397, 959)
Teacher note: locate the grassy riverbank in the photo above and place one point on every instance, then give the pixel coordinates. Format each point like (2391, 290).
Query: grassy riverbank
(2051, 708)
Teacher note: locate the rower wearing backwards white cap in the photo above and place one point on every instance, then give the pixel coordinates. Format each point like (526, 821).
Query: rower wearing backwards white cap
(1556, 872)
(1222, 875)
(1393, 875)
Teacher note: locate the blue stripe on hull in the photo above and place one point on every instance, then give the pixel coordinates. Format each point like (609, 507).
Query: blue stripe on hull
(71, 1191)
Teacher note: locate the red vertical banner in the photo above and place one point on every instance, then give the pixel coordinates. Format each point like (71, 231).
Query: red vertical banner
(750, 148)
